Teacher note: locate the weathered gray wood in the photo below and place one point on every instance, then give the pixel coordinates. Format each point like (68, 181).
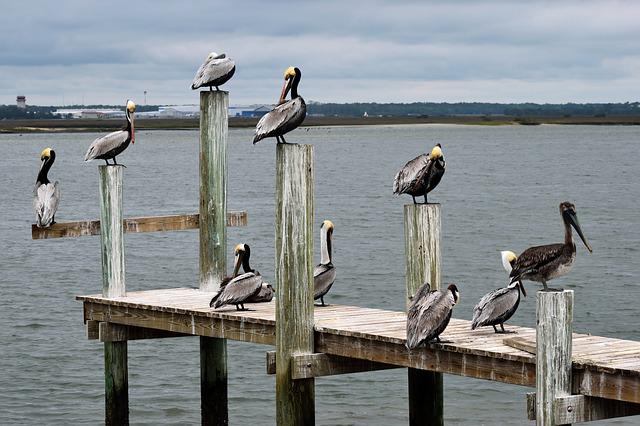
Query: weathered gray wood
(116, 376)
(581, 408)
(112, 238)
(132, 225)
(294, 279)
(422, 253)
(213, 188)
(553, 359)
(111, 332)
(213, 247)
(521, 343)
(319, 365)
(92, 330)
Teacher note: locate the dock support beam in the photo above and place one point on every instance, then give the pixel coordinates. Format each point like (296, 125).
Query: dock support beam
(422, 253)
(116, 381)
(213, 247)
(294, 279)
(553, 345)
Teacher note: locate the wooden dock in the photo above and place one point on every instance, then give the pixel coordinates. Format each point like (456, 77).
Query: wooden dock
(577, 377)
(602, 367)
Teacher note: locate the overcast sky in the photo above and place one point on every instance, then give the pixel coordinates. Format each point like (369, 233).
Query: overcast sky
(382, 51)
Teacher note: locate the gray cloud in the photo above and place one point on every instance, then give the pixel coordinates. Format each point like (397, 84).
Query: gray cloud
(377, 50)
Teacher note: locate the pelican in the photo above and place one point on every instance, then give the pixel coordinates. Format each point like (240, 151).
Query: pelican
(46, 194)
(288, 115)
(429, 314)
(324, 274)
(264, 295)
(215, 71)
(420, 175)
(499, 305)
(111, 145)
(237, 290)
(544, 263)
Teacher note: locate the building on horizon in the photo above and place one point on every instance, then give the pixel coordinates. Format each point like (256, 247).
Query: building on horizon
(21, 102)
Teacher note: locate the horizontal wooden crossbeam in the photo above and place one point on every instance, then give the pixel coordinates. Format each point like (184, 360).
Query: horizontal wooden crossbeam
(582, 408)
(132, 225)
(110, 332)
(319, 365)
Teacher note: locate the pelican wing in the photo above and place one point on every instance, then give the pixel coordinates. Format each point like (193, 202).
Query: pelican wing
(264, 295)
(534, 258)
(212, 70)
(45, 203)
(426, 315)
(106, 143)
(281, 119)
(493, 305)
(410, 174)
(323, 278)
(239, 289)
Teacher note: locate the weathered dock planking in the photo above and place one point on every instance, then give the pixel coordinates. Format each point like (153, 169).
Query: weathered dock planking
(132, 225)
(601, 367)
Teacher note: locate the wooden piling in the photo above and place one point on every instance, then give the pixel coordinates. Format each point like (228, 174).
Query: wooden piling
(422, 253)
(116, 381)
(294, 279)
(553, 358)
(213, 247)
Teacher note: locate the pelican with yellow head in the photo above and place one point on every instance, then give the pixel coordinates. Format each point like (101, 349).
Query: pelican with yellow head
(46, 194)
(287, 115)
(498, 306)
(109, 146)
(324, 274)
(420, 175)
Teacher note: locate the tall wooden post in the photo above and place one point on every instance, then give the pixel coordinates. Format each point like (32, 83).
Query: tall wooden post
(294, 278)
(553, 351)
(116, 381)
(213, 247)
(422, 252)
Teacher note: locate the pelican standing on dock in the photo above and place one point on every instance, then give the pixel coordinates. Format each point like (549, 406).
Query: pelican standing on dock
(544, 263)
(324, 274)
(215, 71)
(429, 314)
(46, 194)
(288, 115)
(240, 288)
(420, 175)
(111, 145)
(499, 305)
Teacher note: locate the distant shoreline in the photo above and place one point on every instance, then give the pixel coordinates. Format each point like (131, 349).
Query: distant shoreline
(96, 125)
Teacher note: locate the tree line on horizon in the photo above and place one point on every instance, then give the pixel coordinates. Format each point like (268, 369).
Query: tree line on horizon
(414, 109)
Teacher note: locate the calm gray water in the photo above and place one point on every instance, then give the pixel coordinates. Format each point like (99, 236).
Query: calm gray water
(501, 191)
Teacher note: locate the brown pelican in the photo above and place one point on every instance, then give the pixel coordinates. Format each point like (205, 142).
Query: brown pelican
(429, 314)
(499, 305)
(215, 71)
(264, 295)
(238, 289)
(544, 263)
(324, 274)
(46, 194)
(287, 115)
(420, 175)
(111, 145)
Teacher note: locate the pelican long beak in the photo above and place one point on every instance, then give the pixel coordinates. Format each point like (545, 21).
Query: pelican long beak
(573, 220)
(236, 264)
(285, 91)
(524, 292)
(133, 130)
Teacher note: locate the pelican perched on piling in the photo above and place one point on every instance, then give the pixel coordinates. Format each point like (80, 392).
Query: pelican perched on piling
(499, 305)
(544, 263)
(46, 194)
(111, 145)
(324, 274)
(215, 71)
(288, 115)
(420, 175)
(240, 288)
(429, 314)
